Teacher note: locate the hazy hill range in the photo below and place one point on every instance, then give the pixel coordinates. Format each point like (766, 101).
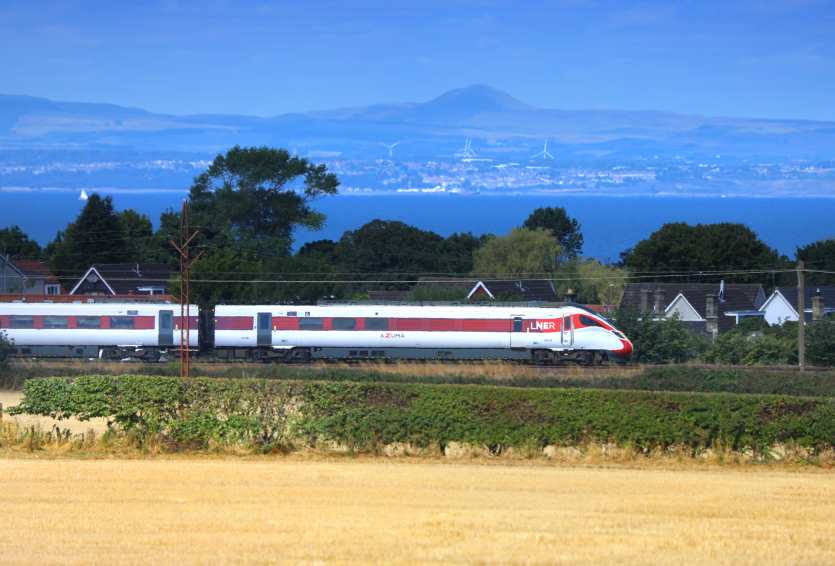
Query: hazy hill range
(501, 124)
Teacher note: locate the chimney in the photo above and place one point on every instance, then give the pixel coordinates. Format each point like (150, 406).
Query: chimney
(817, 305)
(658, 302)
(711, 316)
(644, 300)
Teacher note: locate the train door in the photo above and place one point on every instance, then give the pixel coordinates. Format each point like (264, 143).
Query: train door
(567, 332)
(166, 328)
(265, 329)
(517, 336)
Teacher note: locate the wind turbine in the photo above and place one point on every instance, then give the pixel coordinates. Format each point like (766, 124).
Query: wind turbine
(467, 152)
(544, 154)
(391, 147)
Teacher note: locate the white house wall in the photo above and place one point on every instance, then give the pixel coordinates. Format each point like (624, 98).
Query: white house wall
(685, 311)
(778, 310)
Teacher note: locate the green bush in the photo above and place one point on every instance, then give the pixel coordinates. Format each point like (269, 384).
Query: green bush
(820, 345)
(270, 414)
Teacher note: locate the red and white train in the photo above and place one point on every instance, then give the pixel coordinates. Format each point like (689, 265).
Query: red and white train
(539, 334)
(303, 333)
(96, 330)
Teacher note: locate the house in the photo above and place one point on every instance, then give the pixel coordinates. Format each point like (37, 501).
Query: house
(781, 306)
(708, 308)
(474, 290)
(27, 277)
(124, 279)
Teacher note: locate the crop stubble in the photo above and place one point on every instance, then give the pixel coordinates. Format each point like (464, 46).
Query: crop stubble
(369, 510)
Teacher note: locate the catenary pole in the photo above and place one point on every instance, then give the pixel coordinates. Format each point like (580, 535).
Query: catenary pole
(801, 311)
(186, 261)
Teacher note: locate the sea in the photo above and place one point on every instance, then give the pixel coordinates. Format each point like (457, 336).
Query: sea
(610, 225)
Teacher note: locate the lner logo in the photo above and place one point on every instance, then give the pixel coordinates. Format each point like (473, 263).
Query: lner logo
(543, 325)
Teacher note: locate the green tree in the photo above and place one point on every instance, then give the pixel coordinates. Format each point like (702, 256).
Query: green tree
(681, 248)
(564, 228)
(658, 341)
(138, 233)
(820, 256)
(522, 252)
(96, 236)
(591, 281)
(16, 244)
(391, 247)
(251, 199)
(246, 206)
(820, 345)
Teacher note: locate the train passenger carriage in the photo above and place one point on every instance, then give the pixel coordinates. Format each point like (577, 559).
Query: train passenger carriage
(301, 333)
(96, 330)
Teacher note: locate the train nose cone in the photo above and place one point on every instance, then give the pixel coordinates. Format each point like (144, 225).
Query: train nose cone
(625, 351)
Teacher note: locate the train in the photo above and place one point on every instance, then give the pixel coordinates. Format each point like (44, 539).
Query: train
(285, 333)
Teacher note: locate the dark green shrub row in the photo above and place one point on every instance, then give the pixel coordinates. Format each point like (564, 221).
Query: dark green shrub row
(266, 414)
(662, 378)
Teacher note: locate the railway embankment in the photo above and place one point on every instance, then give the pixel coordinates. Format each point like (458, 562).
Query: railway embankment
(766, 380)
(169, 414)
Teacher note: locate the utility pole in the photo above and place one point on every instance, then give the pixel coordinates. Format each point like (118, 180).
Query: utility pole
(801, 311)
(186, 261)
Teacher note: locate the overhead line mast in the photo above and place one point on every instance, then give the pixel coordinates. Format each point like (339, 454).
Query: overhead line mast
(186, 262)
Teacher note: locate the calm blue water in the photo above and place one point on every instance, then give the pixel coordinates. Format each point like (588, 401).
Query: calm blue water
(610, 225)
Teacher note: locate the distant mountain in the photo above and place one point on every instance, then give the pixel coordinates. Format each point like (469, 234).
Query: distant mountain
(476, 111)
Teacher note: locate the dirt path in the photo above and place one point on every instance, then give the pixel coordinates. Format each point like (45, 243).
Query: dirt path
(286, 510)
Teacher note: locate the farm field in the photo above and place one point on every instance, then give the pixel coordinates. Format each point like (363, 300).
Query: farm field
(294, 509)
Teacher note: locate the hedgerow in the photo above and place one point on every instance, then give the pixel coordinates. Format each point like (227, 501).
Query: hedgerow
(661, 378)
(270, 414)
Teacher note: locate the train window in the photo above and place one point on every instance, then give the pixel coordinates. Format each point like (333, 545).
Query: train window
(311, 323)
(343, 323)
(292, 313)
(122, 322)
(88, 322)
(517, 324)
(376, 324)
(133, 313)
(17, 321)
(55, 322)
(589, 321)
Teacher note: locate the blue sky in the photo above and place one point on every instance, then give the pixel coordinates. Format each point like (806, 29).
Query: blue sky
(769, 58)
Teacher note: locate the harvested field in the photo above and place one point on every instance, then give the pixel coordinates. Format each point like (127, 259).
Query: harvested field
(370, 511)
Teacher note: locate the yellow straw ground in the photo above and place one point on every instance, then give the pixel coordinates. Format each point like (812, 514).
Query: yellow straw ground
(371, 511)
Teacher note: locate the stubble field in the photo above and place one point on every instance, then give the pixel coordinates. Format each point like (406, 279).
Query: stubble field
(296, 509)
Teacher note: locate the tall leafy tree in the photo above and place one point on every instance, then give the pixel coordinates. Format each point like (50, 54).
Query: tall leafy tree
(591, 281)
(382, 246)
(15, 243)
(819, 256)
(246, 206)
(138, 233)
(521, 252)
(252, 199)
(565, 229)
(681, 248)
(96, 236)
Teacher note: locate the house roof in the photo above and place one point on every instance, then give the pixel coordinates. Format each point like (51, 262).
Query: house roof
(127, 278)
(499, 289)
(827, 291)
(737, 297)
(36, 269)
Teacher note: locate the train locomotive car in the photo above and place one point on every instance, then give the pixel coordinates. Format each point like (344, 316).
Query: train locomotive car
(95, 330)
(301, 333)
